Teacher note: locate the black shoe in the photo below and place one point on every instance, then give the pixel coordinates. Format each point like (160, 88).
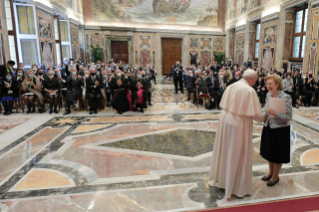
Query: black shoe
(95, 111)
(56, 111)
(33, 111)
(150, 104)
(272, 183)
(264, 178)
(142, 110)
(67, 113)
(40, 110)
(91, 112)
(120, 112)
(218, 108)
(51, 111)
(5, 113)
(188, 99)
(29, 111)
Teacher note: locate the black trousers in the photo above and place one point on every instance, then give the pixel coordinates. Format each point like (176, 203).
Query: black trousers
(293, 97)
(308, 96)
(71, 95)
(176, 81)
(262, 96)
(94, 100)
(108, 96)
(216, 95)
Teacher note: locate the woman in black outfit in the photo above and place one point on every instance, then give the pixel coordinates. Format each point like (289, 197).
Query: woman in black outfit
(9, 93)
(51, 88)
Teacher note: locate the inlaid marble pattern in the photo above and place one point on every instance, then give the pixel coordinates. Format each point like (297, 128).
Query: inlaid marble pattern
(176, 142)
(157, 161)
(9, 123)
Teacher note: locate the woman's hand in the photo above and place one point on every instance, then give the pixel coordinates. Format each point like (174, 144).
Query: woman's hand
(272, 112)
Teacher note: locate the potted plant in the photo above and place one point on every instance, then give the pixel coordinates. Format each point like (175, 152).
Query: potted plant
(219, 57)
(97, 53)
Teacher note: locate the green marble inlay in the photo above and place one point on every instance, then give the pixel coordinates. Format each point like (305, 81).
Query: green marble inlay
(177, 142)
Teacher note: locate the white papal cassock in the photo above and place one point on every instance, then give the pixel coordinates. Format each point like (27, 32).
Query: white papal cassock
(231, 166)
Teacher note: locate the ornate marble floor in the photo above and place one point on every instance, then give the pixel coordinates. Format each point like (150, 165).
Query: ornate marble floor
(157, 161)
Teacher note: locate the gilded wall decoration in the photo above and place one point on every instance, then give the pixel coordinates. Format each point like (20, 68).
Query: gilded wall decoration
(145, 57)
(252, 27)
(269, 35)
(194, 42)
(218, 44)
(313, 57)
(315, 26)
(145, 42)
(206, 44)
(268, 58)
(240, 57)
(206, 58)
(74, 35)
(231, 47)
(45, 28)
(75, 52)
(287, 40)
(289, 16)
(240, 41)
(47, 53)
(251, 45)
(97, 40)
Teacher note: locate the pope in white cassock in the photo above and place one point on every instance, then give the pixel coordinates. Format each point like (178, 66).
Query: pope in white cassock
(231, 166)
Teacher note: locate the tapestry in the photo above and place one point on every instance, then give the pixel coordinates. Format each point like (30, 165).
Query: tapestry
(44, 28)
(47, 53)
(268, 57)
(269, 35)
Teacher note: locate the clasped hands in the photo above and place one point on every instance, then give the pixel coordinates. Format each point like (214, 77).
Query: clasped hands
(97, 83)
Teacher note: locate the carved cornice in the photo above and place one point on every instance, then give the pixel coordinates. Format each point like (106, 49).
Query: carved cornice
(74, 22)
(292, 3)
(255, 16)
(43, 8)
(270, 17)
(242, 27)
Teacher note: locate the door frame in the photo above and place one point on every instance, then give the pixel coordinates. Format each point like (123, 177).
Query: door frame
(159, 37)
(108, 47)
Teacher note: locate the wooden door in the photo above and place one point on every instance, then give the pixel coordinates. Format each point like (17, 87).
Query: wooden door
(119, 51)
(171, 53)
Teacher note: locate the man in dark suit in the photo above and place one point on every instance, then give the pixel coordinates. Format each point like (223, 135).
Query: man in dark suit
(215, 68)
(178, 77)
(261, 89)
(94, 84)
(4, 69)
(213, 85)
(74, 90)
(191, 85)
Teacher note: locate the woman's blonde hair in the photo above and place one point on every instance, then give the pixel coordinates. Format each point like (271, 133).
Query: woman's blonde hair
(27, 75)
(277, 80)
(229, 75)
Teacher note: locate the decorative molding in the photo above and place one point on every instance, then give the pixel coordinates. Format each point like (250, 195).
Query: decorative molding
(292, 3)
(242, 27)
(255, 17)
(74, 22)
(42, 8)
(270, 17)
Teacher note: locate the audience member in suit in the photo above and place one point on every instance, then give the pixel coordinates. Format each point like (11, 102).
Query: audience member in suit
(185, 77)
(9, 92)
(120, 101)
(94, 84)
(304, 91)
(170, 73)
(191, 85)
(146, 84)
(19, 77)
(62, 80)
(236, 78)
(107, 82)
(8, 68)
(51, 88)
(213, 85)
(74, 85)
(153, 74)
(178, 77)
(215, 68)
(261, 89)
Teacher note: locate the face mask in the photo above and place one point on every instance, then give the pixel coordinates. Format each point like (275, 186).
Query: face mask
(135, 68)
(105, 76)
(87, 75)
(139, 76)
(92, 74)
(8, 77)
(237, 77)
(34, 69)
(191, 75)
(20, 74)
(85, 69)
(40, 74)
(108, 74)
(74, 73)
(304, 77)
(59, 74)
(119, 74)
(221, 77)
(51, 77)
(30, 75)
(288, 78)
(310, 75)
(205, 68)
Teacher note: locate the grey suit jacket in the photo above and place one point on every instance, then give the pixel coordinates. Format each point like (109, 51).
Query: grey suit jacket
(281, 120)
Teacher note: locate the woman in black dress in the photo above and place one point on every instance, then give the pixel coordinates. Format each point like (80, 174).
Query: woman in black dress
(275, 139)
(9, 93)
